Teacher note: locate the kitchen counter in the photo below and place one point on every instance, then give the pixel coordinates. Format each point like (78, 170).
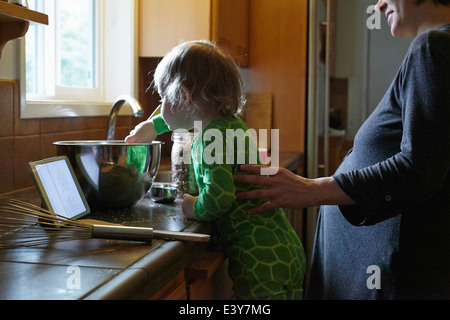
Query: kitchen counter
(113, 269)
(108, 269)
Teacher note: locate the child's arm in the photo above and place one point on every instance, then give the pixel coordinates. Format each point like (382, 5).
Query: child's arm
(144, 132)
(215, 180)
(218, 194)
(147, 131)
(214, 199)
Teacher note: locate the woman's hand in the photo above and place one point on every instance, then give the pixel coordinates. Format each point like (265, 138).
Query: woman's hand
(287, 190)
(143, 133)
(283, 190)
(188, 206)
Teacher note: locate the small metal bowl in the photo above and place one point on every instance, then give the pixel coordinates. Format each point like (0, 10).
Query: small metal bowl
(161, 192)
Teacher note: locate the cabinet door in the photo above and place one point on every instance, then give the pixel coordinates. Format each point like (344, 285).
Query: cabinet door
(163, 24)
(230, 27)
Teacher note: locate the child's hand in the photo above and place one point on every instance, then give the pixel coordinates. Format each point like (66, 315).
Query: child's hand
(143, 133)
(188, 206)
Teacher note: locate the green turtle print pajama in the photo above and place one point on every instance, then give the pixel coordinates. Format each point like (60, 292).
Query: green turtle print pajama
(267, 260)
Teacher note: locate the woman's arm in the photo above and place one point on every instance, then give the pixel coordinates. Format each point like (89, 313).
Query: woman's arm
(287, 190)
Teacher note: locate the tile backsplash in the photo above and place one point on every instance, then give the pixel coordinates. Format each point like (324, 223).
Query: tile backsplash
(22, 141)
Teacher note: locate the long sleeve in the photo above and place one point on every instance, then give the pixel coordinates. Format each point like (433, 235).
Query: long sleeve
(214, 170)
(217, 194)
(158, 121)
(160, 124)
(214, 177)
(418, 170)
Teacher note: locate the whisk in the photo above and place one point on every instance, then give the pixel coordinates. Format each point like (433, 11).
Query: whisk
(25, 225)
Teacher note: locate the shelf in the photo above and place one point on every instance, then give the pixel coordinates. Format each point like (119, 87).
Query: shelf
(14, 13)
(15, 20)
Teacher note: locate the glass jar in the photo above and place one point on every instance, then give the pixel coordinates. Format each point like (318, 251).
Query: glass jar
(183, 175)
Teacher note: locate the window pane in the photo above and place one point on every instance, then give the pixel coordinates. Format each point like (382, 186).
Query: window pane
(31, 60)
(75, 41)
(32, 54)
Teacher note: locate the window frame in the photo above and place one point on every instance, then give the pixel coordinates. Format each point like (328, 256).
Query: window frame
(117, 68)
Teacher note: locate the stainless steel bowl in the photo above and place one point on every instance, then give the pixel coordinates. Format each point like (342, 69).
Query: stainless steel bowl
(163, 192)
(111, 173)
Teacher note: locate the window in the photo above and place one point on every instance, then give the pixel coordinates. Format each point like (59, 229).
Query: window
(62, 59)
(82, 61)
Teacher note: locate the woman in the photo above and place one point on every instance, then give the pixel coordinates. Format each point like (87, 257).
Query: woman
(383, 227)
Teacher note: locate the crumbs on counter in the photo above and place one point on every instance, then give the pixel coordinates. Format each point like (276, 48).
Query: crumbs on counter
(128, 217)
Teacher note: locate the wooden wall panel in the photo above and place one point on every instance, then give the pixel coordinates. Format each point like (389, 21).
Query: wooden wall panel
(278, 62)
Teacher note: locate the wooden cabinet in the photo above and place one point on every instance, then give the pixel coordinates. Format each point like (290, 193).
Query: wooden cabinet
(174, 290)
(15, 20)
(205, 279)
(275, 37)
(164, 24)
(230, 28)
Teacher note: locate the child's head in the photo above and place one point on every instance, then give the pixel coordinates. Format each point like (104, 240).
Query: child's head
(210, 76)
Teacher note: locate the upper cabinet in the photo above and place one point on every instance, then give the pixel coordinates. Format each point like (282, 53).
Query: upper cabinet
(230, 27)
(164, 24)
(15, 20)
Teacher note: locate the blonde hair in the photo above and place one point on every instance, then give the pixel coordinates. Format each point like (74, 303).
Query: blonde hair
(210, 75)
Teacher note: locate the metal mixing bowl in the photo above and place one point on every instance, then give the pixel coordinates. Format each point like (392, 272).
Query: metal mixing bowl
(111, 173)
(163, 192)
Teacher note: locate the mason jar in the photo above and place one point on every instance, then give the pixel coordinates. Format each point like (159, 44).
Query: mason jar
(183, 175)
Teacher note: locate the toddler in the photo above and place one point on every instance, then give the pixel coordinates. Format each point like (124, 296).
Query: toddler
(199, 83)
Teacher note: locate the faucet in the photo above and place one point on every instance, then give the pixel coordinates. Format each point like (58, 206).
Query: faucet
(137, 109)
